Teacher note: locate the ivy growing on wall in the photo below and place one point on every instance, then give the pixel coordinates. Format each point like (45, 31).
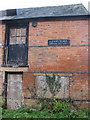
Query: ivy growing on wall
(53, 83)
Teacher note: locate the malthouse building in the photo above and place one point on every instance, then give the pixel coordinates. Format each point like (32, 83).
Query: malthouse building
(39, 41)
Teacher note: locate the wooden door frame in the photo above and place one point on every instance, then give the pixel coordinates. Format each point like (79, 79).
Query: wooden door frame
(6, 82)
(7, 39)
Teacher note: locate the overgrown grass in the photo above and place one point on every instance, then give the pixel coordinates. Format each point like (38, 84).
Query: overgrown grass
(54, 109)
(22, 113)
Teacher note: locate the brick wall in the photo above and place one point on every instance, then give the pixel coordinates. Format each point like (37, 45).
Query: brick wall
(28, 81)
(60, 59)
(73, 58)
(2, 39)
(79, 86)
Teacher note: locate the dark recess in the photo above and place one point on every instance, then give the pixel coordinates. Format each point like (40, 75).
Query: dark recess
(11, 12)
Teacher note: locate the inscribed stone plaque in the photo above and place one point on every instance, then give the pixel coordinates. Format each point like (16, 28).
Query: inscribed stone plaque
(59, 42)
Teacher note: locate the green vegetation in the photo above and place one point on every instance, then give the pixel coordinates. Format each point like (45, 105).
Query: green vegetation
(53, 84)
(49, 109)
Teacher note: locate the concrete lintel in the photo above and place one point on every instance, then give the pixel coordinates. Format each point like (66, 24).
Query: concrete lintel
(60, 74)
(14, 69)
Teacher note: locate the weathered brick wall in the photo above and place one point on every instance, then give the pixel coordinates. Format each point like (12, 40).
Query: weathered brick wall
(73, 58)
(79, 86)
(28, 81)
(66, 59)
(2, 39)
(69, 29)
(46, 58)
(60, 59)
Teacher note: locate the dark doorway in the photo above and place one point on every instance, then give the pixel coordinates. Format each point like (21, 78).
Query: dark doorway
(16, 45)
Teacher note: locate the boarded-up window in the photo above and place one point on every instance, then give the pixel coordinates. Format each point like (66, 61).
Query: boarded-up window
(14, 91)
(17, 35)
(43, 89)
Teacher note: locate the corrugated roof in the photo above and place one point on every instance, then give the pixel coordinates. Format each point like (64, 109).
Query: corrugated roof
(51, 11)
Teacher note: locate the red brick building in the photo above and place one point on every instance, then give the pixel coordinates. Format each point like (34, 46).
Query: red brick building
(35, 41)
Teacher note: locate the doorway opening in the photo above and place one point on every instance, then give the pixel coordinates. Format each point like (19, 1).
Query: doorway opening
(13, 90)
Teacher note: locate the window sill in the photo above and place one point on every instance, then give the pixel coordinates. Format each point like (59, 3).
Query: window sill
(14, 69)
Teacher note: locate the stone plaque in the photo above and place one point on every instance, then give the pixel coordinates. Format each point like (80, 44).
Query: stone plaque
(59, 42)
